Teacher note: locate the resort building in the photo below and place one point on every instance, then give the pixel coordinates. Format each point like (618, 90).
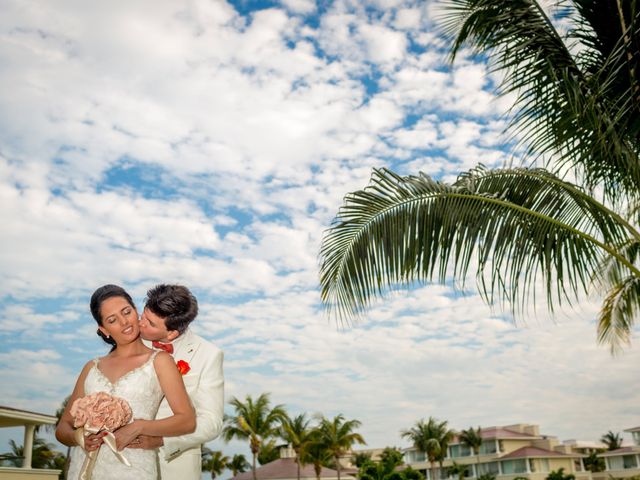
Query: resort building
(623, 462)
(12, 417)
(507, 452)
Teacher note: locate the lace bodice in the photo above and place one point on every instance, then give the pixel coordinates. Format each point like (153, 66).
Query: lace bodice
(139, 387)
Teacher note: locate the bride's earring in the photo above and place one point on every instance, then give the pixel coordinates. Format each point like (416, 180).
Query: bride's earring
(108, 336)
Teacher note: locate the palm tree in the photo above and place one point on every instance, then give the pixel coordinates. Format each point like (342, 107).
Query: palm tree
(390, 458)
(472, 438)
(238, 464)
(560, 475)
(411, 474)
(431, 438)
(577, 113)
(213, 461)
(43, 455)
(612, 440)
(269, 451)
(297, 433)
(255, 421)
(317, 454)
(593, 463)
(338, 436)
(361, 458)
(458, 470)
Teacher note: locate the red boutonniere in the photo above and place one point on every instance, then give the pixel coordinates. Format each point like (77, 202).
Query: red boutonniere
(183, 367)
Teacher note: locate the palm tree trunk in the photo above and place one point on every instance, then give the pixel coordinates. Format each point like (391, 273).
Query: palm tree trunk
(298, 462)
(338, 466)
(477, 465)
(433, 471)
(255, 454)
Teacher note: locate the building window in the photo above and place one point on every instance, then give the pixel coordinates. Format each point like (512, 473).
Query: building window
(459, 450)
(615, 463)
(489, 467)
(622, 462)
(577, 465)
(488, 447)
(629, 461)
(636, 437)
(544, 465)
(413, 456)
(532, 465)
(514, 466)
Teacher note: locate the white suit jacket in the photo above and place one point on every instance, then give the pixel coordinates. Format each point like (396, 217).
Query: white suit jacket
(180, 457)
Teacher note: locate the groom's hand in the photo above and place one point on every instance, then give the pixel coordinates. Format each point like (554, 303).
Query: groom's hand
(146, 442)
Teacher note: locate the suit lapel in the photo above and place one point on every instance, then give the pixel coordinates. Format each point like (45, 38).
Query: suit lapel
(187, 347)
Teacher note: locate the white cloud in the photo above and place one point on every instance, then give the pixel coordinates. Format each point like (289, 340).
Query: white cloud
(408, 18)
(383, 44)
(300, 6)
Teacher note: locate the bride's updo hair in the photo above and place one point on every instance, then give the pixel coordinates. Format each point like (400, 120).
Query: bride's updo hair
(99, 296)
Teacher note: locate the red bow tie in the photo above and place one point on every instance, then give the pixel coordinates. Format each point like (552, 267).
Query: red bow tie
(167, 347)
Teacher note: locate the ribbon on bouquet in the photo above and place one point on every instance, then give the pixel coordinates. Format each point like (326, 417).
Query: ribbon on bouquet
(90, 459)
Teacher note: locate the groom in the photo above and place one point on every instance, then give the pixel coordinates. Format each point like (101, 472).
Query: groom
(168, 311)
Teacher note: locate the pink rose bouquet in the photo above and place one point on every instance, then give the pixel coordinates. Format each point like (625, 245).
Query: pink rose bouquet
(95, 413)
(100, 411)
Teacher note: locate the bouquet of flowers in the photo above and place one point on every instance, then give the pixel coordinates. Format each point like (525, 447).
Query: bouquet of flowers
(95, 413)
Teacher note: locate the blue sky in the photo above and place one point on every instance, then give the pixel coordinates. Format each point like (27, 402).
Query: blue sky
(211, 143)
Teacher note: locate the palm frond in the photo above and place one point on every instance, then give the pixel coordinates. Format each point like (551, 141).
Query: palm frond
(521, 224)
(572, 109)
(620, 307)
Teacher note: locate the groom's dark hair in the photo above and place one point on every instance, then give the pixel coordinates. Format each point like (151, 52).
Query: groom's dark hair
(174, 303)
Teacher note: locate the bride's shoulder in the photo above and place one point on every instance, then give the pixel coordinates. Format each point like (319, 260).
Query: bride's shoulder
(162, 361)
(88, 366)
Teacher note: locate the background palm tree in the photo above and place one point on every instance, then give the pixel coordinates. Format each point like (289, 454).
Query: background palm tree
(298, 433)
(431, 438)
(472, 438)
(43, 455)
(337, 436)
(612, 440)
(577, 114)
(560, 475)
(269, 451)
(213, 461)
(458, 470)
(255, 421)
(390, 458)
(593, 463)
(238, 464)
(361, 458)
(317, 454)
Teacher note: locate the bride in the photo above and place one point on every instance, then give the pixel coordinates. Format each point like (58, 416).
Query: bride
(139, 375)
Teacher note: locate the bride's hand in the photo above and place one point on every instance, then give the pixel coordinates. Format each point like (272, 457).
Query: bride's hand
(90, 442)
(125, 435)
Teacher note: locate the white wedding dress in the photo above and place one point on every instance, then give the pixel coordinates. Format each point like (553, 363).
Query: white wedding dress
(139, 387)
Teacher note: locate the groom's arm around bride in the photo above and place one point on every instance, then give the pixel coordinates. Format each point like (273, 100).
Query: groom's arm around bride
(168, 311)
